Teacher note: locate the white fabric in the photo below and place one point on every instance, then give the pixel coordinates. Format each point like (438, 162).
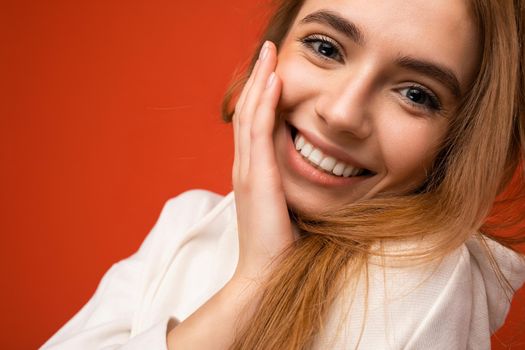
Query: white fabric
(192, 252)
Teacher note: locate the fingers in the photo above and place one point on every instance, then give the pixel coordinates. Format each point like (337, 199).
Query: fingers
(247, 87)
(256, 102)
(238, 108)
(265, 66)
(252, 102)
(262, 150)
(263, 224)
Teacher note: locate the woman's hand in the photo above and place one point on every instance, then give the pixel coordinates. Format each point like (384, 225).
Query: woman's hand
(262, 215)
(263, 222)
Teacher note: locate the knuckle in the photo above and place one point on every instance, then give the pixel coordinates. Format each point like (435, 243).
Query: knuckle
(244, 121)
(267, 109)
(243, 117)
(255, 132)
(242, 184)
(235, 178)
(238, 105)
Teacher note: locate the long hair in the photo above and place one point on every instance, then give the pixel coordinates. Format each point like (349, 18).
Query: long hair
(481, 153)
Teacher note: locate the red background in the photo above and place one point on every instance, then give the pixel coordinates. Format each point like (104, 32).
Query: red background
(107, 109)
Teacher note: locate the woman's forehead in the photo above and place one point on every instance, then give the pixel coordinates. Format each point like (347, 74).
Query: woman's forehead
(441, 31)
(438, 10)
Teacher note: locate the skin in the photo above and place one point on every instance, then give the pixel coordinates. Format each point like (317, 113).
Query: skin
(358, 106)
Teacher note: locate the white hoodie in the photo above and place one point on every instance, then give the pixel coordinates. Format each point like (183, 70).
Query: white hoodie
(192, 252)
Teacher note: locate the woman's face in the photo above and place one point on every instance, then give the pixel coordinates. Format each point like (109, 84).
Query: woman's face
(369, 87)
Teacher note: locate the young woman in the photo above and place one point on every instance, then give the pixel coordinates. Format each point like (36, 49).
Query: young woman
(371, 140)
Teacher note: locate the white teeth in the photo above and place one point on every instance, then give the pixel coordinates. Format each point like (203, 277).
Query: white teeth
(328, 164)
(339, 169)
(299, 142)
(307, 149)
(316, 157)
(348, 171)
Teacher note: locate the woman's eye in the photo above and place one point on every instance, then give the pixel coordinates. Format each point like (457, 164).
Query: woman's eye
(323, 46)
(421, 98)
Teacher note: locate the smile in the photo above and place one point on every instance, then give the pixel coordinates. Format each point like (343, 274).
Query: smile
(326, 163)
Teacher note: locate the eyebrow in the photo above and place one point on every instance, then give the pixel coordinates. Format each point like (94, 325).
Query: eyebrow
(443, 74)
(337, 22)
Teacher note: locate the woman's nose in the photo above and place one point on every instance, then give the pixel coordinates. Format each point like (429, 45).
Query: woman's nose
(346, 107)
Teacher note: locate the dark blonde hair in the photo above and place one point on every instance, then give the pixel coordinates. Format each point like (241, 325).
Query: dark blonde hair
(482, 152)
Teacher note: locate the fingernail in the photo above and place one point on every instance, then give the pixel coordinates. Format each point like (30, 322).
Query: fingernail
(270, 81)
(264, 51)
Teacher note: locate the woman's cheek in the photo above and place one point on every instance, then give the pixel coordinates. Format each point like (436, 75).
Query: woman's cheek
(300, 81)
(409, 146)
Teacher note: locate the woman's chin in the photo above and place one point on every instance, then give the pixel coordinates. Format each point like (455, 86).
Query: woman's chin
(308, 201)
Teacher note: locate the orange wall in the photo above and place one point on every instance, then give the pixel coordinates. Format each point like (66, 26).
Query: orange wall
(107, 109)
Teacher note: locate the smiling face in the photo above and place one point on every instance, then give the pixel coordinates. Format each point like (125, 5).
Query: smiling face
(369, 87)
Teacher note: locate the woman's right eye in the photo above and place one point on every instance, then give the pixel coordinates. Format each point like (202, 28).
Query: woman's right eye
(324, 47)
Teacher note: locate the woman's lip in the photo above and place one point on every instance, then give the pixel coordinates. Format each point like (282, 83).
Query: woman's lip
(329, 150)
(306, 170)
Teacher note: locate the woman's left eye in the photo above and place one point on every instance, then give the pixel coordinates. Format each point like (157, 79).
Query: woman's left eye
(421, 98)
(323, 46)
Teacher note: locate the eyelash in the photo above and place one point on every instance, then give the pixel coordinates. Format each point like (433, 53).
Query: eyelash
(433, 105)
(313, 39)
